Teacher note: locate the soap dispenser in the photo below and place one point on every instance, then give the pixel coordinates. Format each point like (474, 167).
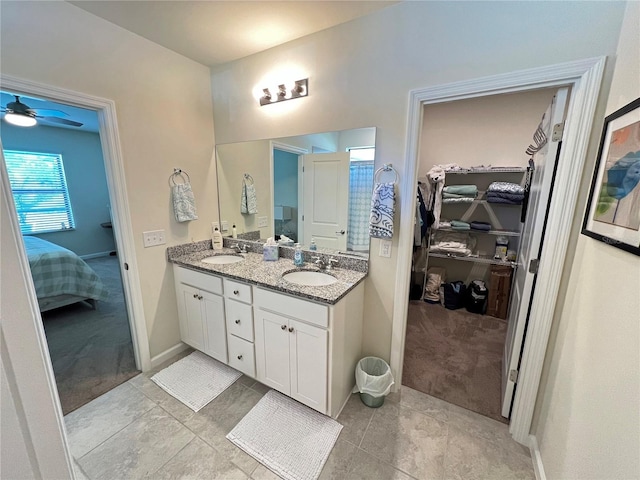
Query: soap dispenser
(298, 259)
(313, 246)
(216, 239)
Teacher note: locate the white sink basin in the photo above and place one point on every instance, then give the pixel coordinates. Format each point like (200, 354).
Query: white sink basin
(222, 259)
(309, 278)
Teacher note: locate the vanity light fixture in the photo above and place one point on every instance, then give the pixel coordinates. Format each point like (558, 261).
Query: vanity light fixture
(300, 89)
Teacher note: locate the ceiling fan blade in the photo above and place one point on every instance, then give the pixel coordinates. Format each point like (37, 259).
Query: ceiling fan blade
(63, 121)
(49, 113)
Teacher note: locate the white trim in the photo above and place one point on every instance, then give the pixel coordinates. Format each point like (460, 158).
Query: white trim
(168, 353)
(584, 76)
(89, 256)
(114, 169)
(536, 458)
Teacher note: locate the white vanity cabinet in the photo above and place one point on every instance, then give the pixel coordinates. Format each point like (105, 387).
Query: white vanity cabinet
(308, 350)
(201, 312)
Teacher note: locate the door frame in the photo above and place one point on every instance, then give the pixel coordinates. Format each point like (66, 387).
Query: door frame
(114, 169)
(285, 147)
(584, 77)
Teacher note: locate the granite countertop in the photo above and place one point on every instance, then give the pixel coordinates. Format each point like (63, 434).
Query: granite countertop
(253, 269)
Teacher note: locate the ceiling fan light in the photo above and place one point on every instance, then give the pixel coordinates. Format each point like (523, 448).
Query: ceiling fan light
(20, 120)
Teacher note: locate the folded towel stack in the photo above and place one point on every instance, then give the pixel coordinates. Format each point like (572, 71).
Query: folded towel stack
(459, 193)
(505, 192)
(460, 225)
(480, 226)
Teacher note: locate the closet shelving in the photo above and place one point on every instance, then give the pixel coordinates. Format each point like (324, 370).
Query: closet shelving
(495, 213)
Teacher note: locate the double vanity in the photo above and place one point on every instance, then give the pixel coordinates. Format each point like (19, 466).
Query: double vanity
(296, 330)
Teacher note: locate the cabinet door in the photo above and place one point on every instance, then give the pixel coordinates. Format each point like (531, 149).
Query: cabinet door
(190, 316)
(308, 364)
(272, 350)
(214, 326)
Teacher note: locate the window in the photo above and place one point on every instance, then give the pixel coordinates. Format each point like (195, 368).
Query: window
(39, 191)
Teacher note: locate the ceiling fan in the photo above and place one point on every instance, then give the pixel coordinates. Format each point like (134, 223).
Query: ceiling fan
(20, 114)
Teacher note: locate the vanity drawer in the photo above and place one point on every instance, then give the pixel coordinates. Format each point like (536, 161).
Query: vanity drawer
(241, 356)
(305, 310)
(239, 319)
(237, 291)
(204, 281)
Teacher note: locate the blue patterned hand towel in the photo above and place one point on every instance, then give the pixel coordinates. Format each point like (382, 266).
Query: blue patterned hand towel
(184, 203)
(248, 202)
(382, 209)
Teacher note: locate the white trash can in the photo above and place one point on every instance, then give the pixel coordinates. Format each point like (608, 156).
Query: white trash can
(373, 380)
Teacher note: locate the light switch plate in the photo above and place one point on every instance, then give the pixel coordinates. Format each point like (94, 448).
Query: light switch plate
(263, 222)
(385, 248)
(225, 225)
(214, 225)
(153, 238)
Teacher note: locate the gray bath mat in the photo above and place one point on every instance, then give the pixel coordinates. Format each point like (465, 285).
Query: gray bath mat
(196, 379)
(288, 438)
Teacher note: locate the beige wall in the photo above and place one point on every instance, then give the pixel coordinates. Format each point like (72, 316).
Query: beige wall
(163, 104)
(360, 74)
(588, 421)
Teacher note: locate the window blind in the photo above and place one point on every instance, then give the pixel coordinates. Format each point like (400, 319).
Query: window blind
(39, 191)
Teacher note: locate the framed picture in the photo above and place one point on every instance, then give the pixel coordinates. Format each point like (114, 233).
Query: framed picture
(613, 209)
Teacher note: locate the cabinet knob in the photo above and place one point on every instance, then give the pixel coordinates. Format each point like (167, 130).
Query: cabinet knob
(195, 295)
(290, 329)
(200, 297)
(238, 322)
(239, 357)
(236, 292)
(283, 327)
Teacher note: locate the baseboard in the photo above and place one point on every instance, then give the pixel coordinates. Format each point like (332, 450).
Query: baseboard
(168, 353)
(536, 458)
(94, 255)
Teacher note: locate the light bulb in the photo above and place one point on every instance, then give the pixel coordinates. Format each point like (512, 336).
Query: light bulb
(20, 120)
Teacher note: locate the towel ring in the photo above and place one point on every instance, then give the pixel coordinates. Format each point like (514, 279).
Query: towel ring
(248, 177)
(387, 167)
(178, 173)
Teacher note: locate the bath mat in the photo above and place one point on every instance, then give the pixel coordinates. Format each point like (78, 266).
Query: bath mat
(196, 379)
(288, 438)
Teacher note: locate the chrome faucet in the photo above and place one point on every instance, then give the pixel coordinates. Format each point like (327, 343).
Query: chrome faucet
(319, 263)
(331, 263)
(238, 248)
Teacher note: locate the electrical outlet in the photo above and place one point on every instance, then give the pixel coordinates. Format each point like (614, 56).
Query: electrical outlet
(153, 238)
(263, 222)
(225, 225)
(385, 248)
(214, 225)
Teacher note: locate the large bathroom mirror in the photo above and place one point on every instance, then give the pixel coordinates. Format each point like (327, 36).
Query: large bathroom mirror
(314, 187)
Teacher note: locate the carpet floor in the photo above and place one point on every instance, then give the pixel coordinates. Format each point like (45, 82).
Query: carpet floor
(456, 356)
(91, 350)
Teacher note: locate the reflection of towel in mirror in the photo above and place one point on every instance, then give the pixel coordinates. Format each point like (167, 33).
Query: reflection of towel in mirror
(382, 208)
(184, 203)
(248, 203)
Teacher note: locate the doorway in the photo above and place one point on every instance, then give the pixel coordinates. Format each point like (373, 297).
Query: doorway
(584, 77)
(66, 224)
(455, 341)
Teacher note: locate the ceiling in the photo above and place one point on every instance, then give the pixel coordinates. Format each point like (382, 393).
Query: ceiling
(215, 32)
(210, 32)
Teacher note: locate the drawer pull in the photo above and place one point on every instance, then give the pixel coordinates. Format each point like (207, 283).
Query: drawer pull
(239, 357)
(290, 329)
(283, 327)
(236, 292)
(238, 321)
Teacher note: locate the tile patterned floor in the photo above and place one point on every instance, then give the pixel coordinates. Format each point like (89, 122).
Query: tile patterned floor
(138, 431)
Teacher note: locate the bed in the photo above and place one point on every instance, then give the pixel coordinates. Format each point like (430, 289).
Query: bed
(60, 276)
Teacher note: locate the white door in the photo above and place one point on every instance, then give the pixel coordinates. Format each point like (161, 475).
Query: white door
(272, 350)
(530, 247)
(326, 199)
(308, 365)
(214, 326)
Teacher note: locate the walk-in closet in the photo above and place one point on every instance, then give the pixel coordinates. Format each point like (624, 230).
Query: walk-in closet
(477, 178)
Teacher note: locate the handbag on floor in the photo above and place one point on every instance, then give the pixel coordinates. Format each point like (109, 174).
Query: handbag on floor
(454, 294)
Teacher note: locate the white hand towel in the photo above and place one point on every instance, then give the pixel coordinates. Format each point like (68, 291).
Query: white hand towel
(184, 202)
(248, 203)
(382, 208)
